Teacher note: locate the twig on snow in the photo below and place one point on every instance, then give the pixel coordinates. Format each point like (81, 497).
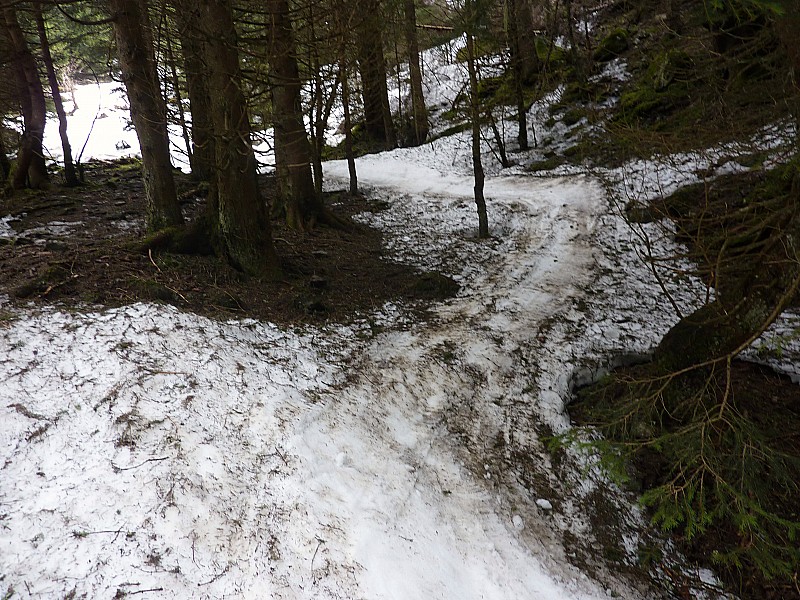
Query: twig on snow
(217, 576)
(116, 468)
(320, 541)
(281, 456)
(83, 534)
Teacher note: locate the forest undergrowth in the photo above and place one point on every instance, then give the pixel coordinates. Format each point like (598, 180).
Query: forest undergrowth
(711, 446)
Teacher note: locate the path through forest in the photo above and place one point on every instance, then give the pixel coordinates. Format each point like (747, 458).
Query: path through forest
(448, 402)
(149, 449)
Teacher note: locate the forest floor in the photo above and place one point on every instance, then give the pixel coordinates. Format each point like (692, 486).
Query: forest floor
(398, 414)
(84, 246)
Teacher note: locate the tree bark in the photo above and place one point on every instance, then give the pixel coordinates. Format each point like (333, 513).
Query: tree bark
(522, 17)
(5, 164)
(475, 114)
(317, 121)
(577, 57)
(303, 206)
(522, 49)
(419, 112)
(238, 215)
(192, 46)
(348, 133)
(31, 170)
(378, 124)
(176, 86)
(344, 13)
(317, 117)
(148, 111)
(70, 175)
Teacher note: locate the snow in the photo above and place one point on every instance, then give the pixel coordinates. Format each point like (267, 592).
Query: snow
(213, 459)
(51, 229)
(98, 123)
(147, 449)
(99, 126)
(6, 231)
(144, 450)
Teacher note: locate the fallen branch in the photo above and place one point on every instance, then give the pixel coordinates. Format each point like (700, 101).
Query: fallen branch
(116, 468)
(158, 589)
(150, 256)
(217, 576)
(319, 543)
(83, 534)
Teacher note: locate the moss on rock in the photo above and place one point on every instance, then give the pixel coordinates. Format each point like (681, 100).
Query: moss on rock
(612, 46)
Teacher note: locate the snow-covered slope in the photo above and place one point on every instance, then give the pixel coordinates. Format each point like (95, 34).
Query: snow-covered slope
(147, 451)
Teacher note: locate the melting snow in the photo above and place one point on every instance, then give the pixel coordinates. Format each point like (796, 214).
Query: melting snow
(147, 450)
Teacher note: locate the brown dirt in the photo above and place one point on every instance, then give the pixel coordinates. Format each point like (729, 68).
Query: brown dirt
(96, 259)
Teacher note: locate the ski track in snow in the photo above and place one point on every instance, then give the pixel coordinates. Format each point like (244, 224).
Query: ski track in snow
(146, 449)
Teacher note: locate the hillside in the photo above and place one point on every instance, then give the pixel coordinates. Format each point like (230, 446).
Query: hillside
(410, 410)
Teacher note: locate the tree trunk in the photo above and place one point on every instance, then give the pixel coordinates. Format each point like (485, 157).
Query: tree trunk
(303, 206)
(522, 17)
(746, 303)
(282, 177)
(577, 57)
(176, 86)
(321, 118)
(148, 111)
(70, 175)
(348, 134)
(192, 46)
(419, 112)
(31, 170)
(238, 214)
(344, 13)
(711, 332)
(5, 164)
(378, 124)
(318, 128)
(522, 47)
(475, 114)
(317, 117)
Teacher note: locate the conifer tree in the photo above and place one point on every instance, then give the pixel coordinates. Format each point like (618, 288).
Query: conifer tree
(30, 169)
(137, 62)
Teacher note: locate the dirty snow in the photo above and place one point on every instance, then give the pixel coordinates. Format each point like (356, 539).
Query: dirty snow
(147, 451)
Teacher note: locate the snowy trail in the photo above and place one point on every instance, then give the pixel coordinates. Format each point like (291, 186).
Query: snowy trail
(411, 401)
(145, 449)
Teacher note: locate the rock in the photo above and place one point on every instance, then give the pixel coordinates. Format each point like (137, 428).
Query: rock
(610, 47)
(544, 504)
